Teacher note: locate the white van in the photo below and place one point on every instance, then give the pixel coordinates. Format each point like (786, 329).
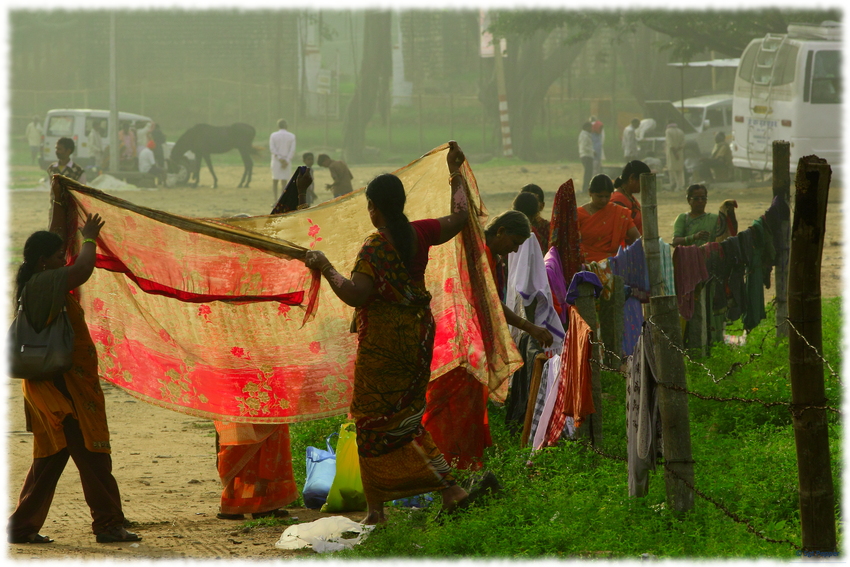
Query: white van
(704, 117)
(77, 124)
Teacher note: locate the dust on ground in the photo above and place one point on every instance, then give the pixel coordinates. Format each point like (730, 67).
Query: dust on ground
(164, 461)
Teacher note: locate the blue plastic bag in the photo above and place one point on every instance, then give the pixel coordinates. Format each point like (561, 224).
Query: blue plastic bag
(321, 469)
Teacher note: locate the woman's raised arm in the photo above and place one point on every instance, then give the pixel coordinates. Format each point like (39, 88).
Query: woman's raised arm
(452, 224)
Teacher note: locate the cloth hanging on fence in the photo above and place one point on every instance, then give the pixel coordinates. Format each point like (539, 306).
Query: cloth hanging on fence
(689, 266)
(727, 224)
(552, 390)
(575, 397)
(668, 277)
(528, 284)
(557, 284)
(630, 264)
(518, 393)
(731, 248)
(754, 250)
(641, 414)
(563, 230)
(210, 324)
(579, 278)
(540, 396)
(457, 402)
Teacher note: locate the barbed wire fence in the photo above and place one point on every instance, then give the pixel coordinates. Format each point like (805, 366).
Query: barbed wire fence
(795, 410)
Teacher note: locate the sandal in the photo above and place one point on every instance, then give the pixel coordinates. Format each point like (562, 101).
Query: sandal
(223, 516)
(35, 538)
(117, 534)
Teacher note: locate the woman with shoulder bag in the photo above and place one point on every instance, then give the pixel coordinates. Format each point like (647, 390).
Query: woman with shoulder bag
(67, 414)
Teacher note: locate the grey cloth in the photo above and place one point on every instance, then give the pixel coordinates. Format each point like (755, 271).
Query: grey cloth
(641, 415)
(44, 296)
(539, 401)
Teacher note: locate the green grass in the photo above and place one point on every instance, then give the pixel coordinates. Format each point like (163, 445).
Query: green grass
(567, 502)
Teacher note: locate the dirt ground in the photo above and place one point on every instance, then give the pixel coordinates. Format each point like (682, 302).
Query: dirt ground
(164, 461)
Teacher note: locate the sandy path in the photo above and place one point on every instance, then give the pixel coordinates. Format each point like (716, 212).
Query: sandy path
(164, 461)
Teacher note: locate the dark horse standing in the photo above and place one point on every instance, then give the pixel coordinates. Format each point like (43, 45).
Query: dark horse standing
(203, 140)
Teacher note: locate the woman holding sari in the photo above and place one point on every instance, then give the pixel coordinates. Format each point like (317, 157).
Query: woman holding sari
(395, 328)
(66, 415)
(603, 225)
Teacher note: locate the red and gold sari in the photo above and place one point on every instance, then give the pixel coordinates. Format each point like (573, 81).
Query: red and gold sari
(398, 457)
(603, 232)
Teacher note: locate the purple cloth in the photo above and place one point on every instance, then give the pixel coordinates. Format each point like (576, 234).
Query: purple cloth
(555, 273)
(630, 264)
(583, 277)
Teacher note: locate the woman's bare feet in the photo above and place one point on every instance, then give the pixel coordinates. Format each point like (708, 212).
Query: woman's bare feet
(452, 496)
(374, 518)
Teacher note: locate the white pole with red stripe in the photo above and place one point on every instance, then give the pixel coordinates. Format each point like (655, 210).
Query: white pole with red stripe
(504, 119)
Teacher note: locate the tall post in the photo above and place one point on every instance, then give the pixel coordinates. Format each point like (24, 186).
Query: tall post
(782, 189)
(278, 110)
(451, 116)
(421, 143)
(811, 434)
(667, 341)
(507, 150)
(113, 99)
(651, 247)
(673, 402)
(586, 305)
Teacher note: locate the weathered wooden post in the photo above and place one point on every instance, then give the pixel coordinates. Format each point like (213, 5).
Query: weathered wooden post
(667, 338)
(586, 305)
(611, 322)
(782, 189)
(651, 248)
(805, 341)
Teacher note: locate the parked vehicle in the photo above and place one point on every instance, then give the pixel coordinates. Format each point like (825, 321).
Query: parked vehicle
(703, 118)
(788, 87)
(77, 125)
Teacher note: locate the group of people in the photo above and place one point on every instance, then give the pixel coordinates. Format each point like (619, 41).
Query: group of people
(401, 439)
(282, 150)
(683, 162)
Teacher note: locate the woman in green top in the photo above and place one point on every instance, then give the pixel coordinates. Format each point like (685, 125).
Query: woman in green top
(696, 227)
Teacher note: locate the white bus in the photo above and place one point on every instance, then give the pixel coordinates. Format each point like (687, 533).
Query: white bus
(788, 87)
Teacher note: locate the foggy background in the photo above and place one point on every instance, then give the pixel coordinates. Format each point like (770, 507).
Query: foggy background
(373, 86)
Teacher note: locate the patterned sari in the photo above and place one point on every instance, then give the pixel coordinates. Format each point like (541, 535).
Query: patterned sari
(398, 457)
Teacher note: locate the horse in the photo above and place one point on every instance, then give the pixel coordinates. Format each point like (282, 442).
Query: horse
(204, 139)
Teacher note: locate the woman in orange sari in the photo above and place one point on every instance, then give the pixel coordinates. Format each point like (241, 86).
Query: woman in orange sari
(395, 329)
(603, 225)
(66, 415)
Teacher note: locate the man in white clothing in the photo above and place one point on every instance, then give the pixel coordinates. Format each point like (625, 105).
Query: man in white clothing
(33, 136)
(630, 144)
(147, 162)
(282, 148)
(674, 142)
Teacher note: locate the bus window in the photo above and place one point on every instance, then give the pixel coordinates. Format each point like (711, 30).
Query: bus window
(745, 69)
(826, 78)
(786, 65)
(62, 126)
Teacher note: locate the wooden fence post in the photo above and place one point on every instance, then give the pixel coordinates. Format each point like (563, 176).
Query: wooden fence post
(673, 403)
(667, 338)
(611, 322)
(811, 432)
(586, 305)
(651, 247)
(782, 189)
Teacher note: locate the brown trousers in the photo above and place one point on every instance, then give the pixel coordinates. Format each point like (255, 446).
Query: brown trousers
(99, 487)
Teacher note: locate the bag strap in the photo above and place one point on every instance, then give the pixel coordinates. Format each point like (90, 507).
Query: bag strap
(328, 442)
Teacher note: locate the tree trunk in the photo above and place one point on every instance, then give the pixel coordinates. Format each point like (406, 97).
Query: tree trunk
(528, 76)
(373, 83)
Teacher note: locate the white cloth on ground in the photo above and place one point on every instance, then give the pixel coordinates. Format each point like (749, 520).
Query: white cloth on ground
(323, 535)
(528, 281)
